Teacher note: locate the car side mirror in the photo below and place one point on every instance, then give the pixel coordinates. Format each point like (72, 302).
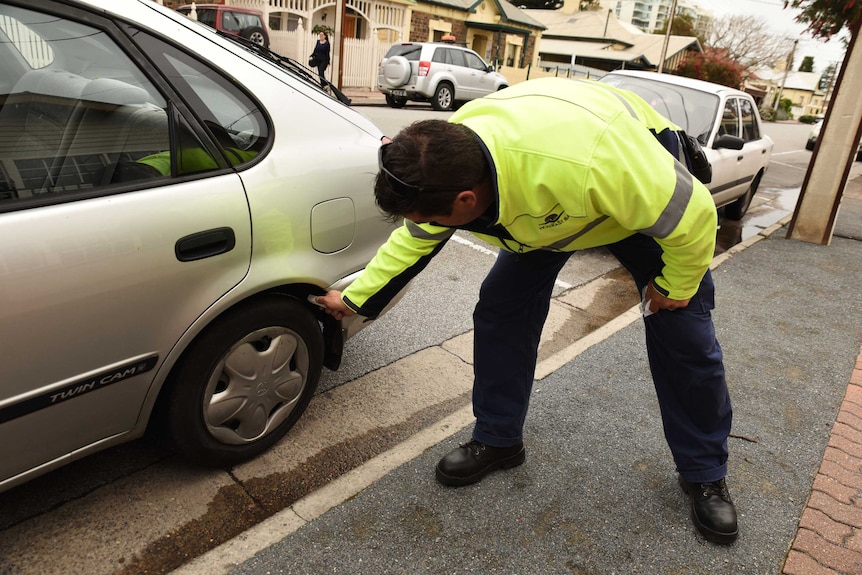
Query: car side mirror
(729, 142)
(489, 68)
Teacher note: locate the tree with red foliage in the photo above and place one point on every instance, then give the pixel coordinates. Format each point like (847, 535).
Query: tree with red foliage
(713, 66)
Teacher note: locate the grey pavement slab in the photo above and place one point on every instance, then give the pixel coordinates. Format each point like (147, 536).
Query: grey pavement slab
(598, 494)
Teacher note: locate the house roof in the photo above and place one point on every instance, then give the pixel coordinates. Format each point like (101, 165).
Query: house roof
(598, 35)
(805, 81)
(509, 13)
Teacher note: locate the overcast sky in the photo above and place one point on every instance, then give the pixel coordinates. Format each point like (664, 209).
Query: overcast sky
(782, 21)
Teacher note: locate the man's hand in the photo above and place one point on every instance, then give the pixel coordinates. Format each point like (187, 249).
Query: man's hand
(658, 301)
(334, 305)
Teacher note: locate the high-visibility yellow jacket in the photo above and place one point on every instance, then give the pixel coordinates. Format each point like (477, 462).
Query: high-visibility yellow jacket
(577, 165)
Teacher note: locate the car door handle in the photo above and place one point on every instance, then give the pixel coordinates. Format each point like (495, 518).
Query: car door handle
(205, 244)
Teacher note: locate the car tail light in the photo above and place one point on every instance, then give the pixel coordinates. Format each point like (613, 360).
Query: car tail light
(423, 68)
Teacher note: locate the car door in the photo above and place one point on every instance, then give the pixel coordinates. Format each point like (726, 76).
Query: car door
(452, 68)
(755, 152)
(727, 182)
(481, 83)
(120, 223)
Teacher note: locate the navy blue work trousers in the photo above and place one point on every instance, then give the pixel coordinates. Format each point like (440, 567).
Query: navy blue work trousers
(684, 356)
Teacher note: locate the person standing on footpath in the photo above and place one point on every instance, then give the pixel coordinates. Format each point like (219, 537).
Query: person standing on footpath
(542, 169)
(321, 56)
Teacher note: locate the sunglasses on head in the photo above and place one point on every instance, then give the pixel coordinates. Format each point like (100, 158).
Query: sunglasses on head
(401, 187)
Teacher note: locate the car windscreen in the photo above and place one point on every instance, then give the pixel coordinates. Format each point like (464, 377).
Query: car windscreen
(409, 51)
(692, 110)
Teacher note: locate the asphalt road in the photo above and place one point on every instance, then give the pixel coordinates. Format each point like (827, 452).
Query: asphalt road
(139, 509)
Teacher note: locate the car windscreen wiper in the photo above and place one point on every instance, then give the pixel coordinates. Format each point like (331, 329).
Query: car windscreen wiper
(288, 64)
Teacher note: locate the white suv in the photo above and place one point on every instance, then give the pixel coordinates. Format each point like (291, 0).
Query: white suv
(440, 73)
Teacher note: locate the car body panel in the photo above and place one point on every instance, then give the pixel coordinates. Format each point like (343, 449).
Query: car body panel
(98, 306)
(707, 111)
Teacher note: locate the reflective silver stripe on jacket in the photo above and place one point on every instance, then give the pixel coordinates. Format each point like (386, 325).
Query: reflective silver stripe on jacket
(422, 234)
(560, 244)
(672, 214)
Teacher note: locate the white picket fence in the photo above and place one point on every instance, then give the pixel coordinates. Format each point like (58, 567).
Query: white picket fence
(360, 56)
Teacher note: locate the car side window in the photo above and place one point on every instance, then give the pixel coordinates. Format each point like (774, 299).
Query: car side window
(730, 118)
(456, 57)
(474, 61)
(750, 129)
(80, 120)
(411, 51)
(230, 22)
(234, 120)
(206, 16)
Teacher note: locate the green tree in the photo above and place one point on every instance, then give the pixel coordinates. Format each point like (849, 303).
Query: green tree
(825, 18)
(807, 64)
(713, 66)
(827, 77)
(683, 25)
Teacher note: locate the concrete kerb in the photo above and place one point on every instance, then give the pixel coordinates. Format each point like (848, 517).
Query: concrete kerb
(220, 560)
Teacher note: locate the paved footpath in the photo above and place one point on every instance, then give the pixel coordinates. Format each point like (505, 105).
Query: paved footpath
(598, 495)
(829, 539)
(829, 536)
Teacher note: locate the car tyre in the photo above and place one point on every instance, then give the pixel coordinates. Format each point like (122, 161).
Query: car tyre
(396, 101)
(245, 382)
(444, 97)
(736, 209)
(396, 71)
(256, 34)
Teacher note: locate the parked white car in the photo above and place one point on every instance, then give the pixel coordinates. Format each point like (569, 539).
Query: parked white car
(814, 135)
(442, 73)
(170, 196)
(726, 123)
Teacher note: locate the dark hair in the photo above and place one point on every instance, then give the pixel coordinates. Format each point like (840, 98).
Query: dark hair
(443, 158)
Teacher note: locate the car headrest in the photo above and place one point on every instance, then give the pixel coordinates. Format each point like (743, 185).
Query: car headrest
(110, 91)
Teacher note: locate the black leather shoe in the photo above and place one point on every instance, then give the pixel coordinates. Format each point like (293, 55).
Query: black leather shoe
(472, 461)
(712, 510)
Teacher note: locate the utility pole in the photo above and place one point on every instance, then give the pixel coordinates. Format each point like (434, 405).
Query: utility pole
(787, 66)
(667, 36)
(814, 217)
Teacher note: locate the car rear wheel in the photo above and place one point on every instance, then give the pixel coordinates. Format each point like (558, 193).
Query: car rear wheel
(245, 382)
(396, 101)
(738, 207)
(444, 97)
(396, 71)
(255, 34)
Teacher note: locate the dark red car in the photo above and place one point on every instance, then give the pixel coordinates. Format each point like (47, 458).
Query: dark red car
(245, 22)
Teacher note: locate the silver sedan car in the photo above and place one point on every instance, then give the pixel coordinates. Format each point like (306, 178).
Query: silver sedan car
(726, 123)
(170, 197)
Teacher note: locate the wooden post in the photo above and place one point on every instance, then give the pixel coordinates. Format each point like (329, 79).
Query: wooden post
(814, 217)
